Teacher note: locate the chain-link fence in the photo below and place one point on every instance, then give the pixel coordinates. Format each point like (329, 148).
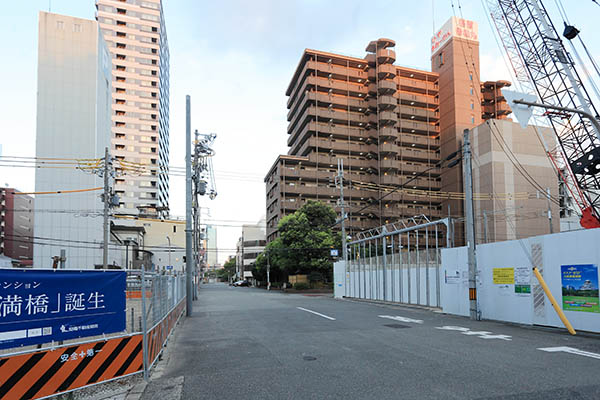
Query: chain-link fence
(163, 292)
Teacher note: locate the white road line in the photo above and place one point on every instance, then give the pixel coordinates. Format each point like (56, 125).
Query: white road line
(570, 350)
(316, 313)
(402, 319)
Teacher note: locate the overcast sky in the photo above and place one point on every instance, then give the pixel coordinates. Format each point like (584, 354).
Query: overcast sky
(235, 58)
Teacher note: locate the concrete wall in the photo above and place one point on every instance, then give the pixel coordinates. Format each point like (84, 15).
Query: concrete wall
(499, 301)
(73, 121)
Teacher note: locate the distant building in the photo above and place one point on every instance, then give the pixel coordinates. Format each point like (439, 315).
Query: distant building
(249, 247)
(136, 37)
(73, 122)
(519, 210)
(493, 103)
(212, 252)
(16, 226)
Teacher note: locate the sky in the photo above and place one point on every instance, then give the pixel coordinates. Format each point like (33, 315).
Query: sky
(235, 59)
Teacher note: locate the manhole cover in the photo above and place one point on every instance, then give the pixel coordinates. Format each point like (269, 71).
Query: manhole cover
(309, 358)
(397, 326)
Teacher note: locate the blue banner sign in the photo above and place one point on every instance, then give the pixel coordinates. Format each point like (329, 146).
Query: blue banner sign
(41, 306)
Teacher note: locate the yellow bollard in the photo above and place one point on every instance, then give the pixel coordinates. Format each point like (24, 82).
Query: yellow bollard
(560, 312)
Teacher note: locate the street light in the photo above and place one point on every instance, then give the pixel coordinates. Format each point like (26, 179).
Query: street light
(169, 240)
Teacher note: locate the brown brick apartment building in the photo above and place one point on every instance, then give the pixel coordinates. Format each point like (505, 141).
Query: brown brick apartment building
(16, 225)
(381, 119)
(388, 123)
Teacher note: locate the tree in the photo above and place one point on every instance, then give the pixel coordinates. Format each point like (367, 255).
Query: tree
(228, 269)
(304, 243)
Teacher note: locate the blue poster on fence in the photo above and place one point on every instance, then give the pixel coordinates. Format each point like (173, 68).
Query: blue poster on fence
(41, 306)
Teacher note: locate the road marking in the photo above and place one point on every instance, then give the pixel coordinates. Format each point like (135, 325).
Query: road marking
(479, 334)
(402, 319)
(316, 313)
(570, 350)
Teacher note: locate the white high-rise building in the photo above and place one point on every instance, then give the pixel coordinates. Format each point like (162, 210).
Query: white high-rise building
(135, 33)
(73, 122)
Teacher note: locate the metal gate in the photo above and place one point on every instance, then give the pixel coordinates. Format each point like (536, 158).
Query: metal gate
(398, 262)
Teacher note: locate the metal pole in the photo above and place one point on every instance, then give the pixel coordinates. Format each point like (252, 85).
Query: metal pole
(144, 327)
(63, 258)
(268, 271)
(384, 280)
(188, 208)
(169, 240)
(485, 227)
(418, 268)
(340, 178)
(549, 210)
(105, 197)
(470, 225)
(427, 266)
(376, 269)
(408, 282)
(393, 278)
(437, 270)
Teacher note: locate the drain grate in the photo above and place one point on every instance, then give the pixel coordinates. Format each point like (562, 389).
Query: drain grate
(397, 326)
(309, 358)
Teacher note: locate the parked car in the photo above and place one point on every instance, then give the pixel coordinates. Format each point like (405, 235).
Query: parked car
(241, 283)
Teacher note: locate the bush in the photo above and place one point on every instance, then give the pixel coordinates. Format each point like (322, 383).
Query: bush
(301, 286)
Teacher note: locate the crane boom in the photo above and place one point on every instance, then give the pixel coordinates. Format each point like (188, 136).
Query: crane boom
(541, 62)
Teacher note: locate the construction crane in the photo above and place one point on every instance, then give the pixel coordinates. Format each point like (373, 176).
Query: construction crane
(545, 68)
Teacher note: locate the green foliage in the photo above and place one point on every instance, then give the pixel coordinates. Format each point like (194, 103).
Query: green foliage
(303, 246)
(228, 269)
(301, 286)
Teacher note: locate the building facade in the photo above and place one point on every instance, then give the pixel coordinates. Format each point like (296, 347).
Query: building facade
(518, 209)
(16, 226)
(212, 250)
(249, 246)
(381, 119)
(135, 33)
(73, 122)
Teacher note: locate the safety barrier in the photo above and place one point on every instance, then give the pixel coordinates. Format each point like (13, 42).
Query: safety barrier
(46, 373)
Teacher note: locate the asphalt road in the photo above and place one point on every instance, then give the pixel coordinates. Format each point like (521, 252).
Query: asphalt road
(245, 343)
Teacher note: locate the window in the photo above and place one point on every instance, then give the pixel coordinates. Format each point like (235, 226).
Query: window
(120, 90)
(121, 11)
(121, 23)
(121, 34)
(120, 68)
(174, 228)
(471, 91)
(120, 79)
(119, 112)
(121, 45)
(472, 119)
(472, 105)
(76, 27)
(120, 56)
(440, 59)
(120, 101)
(470, 77)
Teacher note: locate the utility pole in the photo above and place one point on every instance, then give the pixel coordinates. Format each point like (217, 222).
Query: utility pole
(339, 181)
(470, 225)
(188, 208)
(106, 197)
(268, 271)
(549, 210)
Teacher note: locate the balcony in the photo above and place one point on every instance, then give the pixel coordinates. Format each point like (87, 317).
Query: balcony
(388, 133)
(389, 164)
(411, 99)
(411, 153)
(386, 71)
(386, 87)
(414, 169)
(412, 126)
(388, 117)
(389, 148)
(419, 86)
(387, 102)
(386, 56)
(419, 141)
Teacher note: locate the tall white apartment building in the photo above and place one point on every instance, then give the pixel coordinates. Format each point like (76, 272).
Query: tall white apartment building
(135, 33)
(73, 121)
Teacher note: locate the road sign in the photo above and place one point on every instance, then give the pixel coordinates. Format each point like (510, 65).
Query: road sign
(169, 267)
(521, 112)
(41, 306)
(334, 252)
